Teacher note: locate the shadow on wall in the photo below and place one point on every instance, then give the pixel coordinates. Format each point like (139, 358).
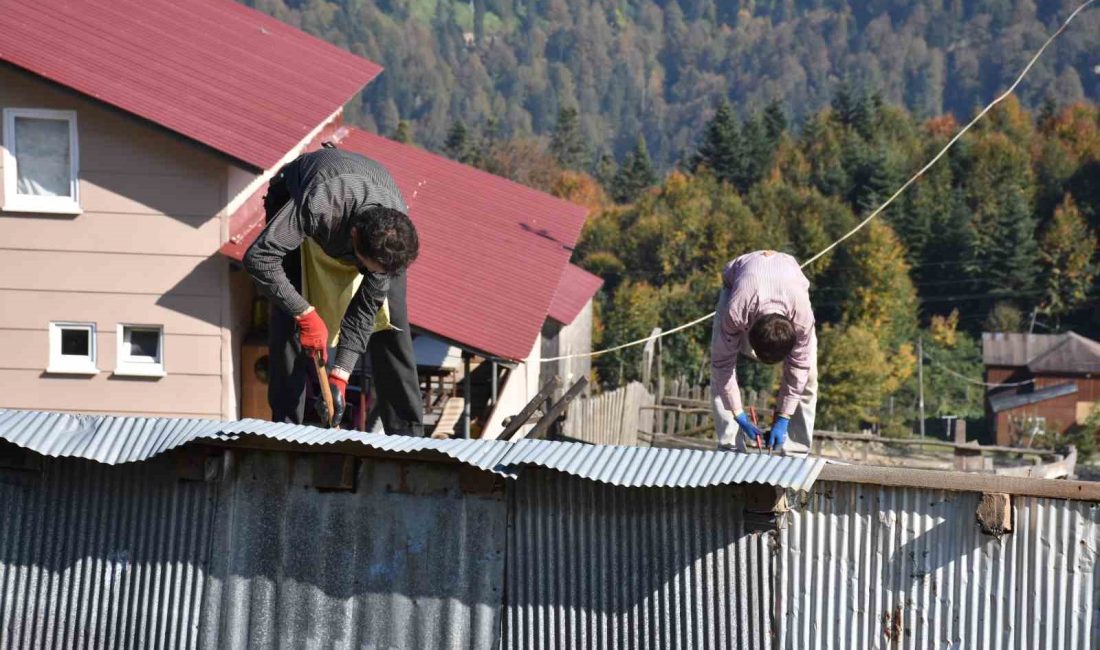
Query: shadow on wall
(593, 565)
(413, 557)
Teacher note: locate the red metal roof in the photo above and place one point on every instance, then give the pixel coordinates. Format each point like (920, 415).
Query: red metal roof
(214, 71)
(576, 288)
(492, 252)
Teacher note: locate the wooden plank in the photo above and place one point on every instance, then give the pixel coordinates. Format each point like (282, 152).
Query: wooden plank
(961, 481)
(929, 442)
(514, 423)
(558, 409)
(681, 401)
(452, 413)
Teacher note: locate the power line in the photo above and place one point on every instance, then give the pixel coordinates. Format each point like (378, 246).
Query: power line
(974, 381)
(879, 209)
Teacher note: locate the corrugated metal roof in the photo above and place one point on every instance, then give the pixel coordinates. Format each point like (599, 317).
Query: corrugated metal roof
(113, 440)
(214, 71)
(492, 252)
(106, 439)
(656, 467)
(576, 288)
(1005, 401)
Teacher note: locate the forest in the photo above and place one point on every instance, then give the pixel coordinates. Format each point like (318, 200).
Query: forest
(779, 125)
(657, 68)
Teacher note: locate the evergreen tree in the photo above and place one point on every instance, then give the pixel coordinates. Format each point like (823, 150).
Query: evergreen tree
(1010, 264)
(457, 145)
(635, 175)
(718, 150)
(568, 144)
(775, 120)
(604, 171)
(754, 155)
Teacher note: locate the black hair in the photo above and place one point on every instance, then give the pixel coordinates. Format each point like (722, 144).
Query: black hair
(772, 337)
(387, 236)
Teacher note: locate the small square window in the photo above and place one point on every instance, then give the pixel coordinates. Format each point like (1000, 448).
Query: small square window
(140, 351)
(72, 349)
(40, 161)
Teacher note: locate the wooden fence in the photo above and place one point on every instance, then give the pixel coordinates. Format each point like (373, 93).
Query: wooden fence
(612, 418)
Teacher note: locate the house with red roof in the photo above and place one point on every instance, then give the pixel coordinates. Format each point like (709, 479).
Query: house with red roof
(138, 139)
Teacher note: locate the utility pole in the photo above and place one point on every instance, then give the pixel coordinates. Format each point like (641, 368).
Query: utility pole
(920, 382)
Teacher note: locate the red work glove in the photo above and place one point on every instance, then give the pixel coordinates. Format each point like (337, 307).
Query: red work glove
(313, 334)
(339, 388)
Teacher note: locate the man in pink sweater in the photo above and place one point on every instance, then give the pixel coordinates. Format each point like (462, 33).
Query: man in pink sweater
(764, 313)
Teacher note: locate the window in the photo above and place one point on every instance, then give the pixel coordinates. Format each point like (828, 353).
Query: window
(140, 351)
(40, 161)
(72, 349)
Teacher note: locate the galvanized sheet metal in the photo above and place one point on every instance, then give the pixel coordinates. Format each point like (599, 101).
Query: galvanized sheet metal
(598, 566)
(106, 439)
(93, 556)
(411, 559)
(875, 567)
(657, 467)
(111, 440)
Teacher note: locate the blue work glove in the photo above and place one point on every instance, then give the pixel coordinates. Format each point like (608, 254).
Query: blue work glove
(778, 433)
(746, 425)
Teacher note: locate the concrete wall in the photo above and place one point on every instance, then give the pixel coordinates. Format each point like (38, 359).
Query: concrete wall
(142, 251)
(520, 385)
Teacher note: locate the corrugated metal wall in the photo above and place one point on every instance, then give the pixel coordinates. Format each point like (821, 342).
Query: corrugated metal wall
(412, 558)
(596, 566)
(93, 556)
(875, 567)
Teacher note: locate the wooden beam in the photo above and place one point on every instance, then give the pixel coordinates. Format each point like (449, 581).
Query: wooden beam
(961, 481)
(558, 410)
(514, 423)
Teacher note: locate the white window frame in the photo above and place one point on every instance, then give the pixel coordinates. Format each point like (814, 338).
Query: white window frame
(69, 364)
(15, 202)
(130, 366)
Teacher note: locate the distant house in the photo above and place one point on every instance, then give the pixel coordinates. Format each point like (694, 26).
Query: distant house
(138, 138)
(1057, 379)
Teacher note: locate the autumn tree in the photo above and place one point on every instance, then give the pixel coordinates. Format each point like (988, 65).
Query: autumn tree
(1067, 254)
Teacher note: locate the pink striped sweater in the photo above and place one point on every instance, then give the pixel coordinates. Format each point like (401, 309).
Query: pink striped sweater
(763, 282)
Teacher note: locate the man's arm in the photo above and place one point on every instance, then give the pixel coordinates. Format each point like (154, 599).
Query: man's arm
(796, 372)
(285, 232)
(358, 322)
(724, 350)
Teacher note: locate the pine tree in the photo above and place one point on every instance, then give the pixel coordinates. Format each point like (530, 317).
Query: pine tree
(568, 144)
(1011, 262)
(754, 155)
(718, 150)
(457, 145)
(635, 175)
(775, 120)
(604, 171)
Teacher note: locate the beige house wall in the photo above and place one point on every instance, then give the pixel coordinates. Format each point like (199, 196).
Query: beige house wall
(144, 250)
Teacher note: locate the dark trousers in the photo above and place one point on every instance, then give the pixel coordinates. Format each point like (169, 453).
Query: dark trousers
(399, 404)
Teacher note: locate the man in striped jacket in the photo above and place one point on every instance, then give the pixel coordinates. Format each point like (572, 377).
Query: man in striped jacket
(345, 210)
(764, 313)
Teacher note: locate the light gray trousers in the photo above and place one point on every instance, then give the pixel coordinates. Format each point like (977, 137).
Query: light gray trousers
(801, 430)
